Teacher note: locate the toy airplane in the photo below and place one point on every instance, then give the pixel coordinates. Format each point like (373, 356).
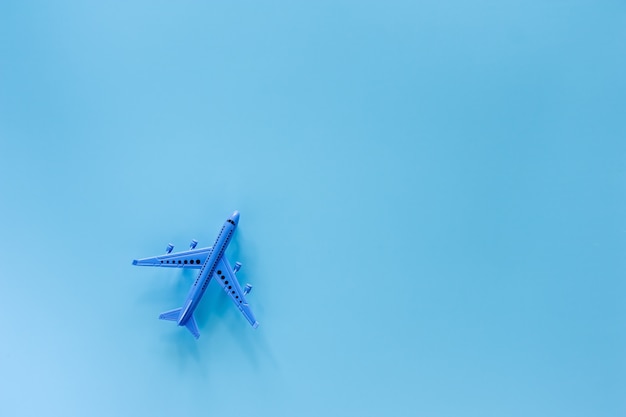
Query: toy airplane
(211, 263)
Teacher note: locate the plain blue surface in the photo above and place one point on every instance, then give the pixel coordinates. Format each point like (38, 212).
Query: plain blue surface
(432, 198)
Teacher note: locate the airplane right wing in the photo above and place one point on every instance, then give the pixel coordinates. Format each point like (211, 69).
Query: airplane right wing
(225, 275)
(193, 259)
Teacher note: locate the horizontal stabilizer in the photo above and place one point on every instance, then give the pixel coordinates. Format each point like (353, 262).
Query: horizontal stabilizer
(171, 315)
(192, 326)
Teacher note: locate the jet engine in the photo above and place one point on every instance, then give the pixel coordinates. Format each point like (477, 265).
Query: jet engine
(193, 244)
(169, 249)
(247, 289)
(237, 266)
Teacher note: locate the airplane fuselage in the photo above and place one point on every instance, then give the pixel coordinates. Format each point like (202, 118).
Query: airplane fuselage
(208, 269)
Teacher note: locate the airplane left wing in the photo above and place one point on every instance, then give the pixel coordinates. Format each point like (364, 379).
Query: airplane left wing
(193, 259)
(227, 280)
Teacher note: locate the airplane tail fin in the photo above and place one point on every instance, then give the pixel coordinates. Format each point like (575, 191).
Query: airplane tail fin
(191, 324)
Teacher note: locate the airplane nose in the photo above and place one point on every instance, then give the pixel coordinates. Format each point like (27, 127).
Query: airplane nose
(235, 217)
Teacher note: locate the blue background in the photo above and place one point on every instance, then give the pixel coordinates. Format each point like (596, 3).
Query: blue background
(432, 198)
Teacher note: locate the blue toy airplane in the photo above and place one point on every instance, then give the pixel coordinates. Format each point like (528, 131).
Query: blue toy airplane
(211, 263)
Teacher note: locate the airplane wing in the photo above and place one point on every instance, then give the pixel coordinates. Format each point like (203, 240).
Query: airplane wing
(193, 259)
(227, 280)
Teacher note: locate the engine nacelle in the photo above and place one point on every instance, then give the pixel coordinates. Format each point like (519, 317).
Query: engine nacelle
(237, 266)
(169, 248)
(193, 244)
(247, 289)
